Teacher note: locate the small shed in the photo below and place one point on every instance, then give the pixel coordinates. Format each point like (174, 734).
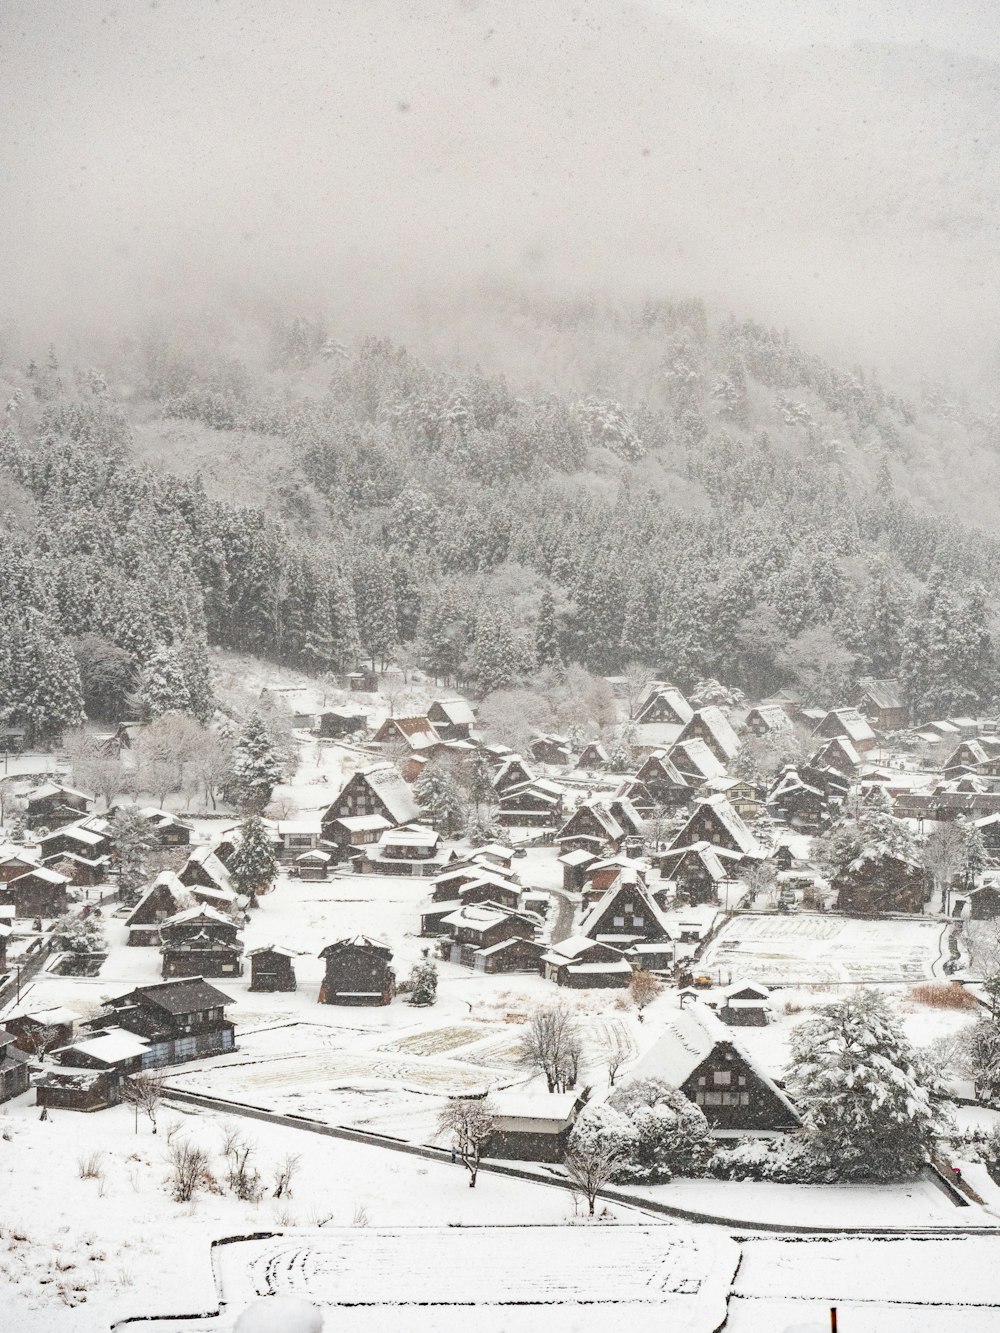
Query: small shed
(984, 901)
(533, 1127)
(358, 972)
(14, 1072)
(313, 865)
(41, 1028)
(272, 968)
(746, 1004)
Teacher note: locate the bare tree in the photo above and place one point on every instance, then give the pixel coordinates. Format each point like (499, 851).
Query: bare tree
(759, 876)
(644, 988)
(144, 1092)
(470, 1122)
(551, 1044)
(188, 1165)
(590, 1165)
(943, 855)
(41, 1040)
(284, 1173)
(636, 679)
(243, 1177)
(618, 1052)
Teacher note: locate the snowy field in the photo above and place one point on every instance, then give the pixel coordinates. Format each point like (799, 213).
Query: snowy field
(812, 948)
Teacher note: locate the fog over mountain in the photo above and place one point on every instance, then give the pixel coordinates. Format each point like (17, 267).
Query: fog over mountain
(398, 164)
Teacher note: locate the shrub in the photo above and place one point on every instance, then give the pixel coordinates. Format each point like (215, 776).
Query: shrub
(790, 1161)
(944, 995)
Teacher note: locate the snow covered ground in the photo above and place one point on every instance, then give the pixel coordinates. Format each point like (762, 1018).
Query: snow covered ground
(806, 947)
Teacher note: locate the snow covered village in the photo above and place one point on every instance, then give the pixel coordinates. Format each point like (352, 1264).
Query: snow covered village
(499, 667)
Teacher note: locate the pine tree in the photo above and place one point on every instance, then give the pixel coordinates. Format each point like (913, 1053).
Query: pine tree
(439, 795)
(163, 687)
(132, 840)
(256, 765)
(869, 1101)
(254, 866)
(423, 983)
(42, 683)
(546, 631)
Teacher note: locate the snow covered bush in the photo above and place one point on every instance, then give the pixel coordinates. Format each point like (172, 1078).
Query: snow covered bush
(423, 983)
(671, 1133)
(79, 934)
(872, 1105)
(603, 1128)
(792, 1160)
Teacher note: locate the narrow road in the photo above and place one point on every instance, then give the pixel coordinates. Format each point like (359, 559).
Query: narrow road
(562, 927)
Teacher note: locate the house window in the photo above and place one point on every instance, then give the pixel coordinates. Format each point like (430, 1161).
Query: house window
(744, 1099)
(741, 1081)
(722, 1078)
(619, 921)
(701, 1082)
(713, 1098)
(638, 921)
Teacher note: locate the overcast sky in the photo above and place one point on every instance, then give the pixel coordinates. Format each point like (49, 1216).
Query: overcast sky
(359, 152)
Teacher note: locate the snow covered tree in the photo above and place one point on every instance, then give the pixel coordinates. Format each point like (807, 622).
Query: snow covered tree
(80, 934)
(163, 687)
(483, 825)
(423, 983)
(671, 1134)
(256, 767)
(132, 840)
(870, 1102)
(438, 794)
(980, 1058)
(40, 687)
(546, 631)
(254, 866)
(469, 1122)
(943, 856)
(106, 673)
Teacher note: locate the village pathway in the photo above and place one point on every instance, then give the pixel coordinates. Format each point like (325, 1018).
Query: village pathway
(562, 927)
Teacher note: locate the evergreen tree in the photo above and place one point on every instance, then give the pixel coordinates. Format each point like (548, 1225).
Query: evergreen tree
(440, 797)
(423, 983)
(132, 840)
(869, 1101)
(254, 865)
(256, 765)
(41, 683)
(546, 631)
(163, 687)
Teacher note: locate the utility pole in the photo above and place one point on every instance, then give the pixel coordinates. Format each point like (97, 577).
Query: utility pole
(833, 1319)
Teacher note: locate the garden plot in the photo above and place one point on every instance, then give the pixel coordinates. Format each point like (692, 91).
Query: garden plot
(683, 1276)
(813, 948)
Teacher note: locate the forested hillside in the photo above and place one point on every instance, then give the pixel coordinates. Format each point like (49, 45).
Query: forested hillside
(700, 495)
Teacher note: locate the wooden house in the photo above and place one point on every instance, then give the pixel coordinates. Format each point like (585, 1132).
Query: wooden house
(593, 757)
(13, 739)
(182, 1020)
(602, 874)
(40, 1030)
(52, 805)
(14, 862)
(452, 719)
(881, 883)
(76, 838)
(412, 733)
(551, 749)
(296, 836)
(767, 719)
(38, 893)
(312, 865)
(463, 887)
(166, 829)
(204, 870)
(746, 797)
(746, 1004)
(201, 942)
(476, 930)
(593, 828)
(513, 772)
(582, 963)
(984, 901)
(664, 703)
(626, 914)
(537, 804)
(80, 871)
(850, 723)
(989, 828)
(337, 722)
(514, 954)
(100, 1065)
(15, 1077)
(272, 968)
(840, 753)
(164, 899)
(882, 703)
(414, 850)
(715, 821)
(574, 866)
(699, 871)
(358, 972)
(695, 762)
(375, 791)
(495, 854)
(533, 1127)
(663, 780)
(798, 803)
(353, 833)
(975, 756)
(713, 727)
(699, 1054)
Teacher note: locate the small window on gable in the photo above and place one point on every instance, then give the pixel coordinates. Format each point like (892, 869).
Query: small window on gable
(722, 1078)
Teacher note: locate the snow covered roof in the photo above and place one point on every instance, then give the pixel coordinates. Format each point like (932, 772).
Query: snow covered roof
(281, 949)
(842, 743)
(357, 942)
(202, 912)
(42, 873)
(555, 1108)
(718, 725)
(656, 735)
(636, 891)
(411, 835)
(304, 824)
(706, 852)
(393, 792)
(692, 757)
(480, 916)
(851, 723)
(883, 693)
(457, 711)
(54, 1017)
(112, 1047)
(78, 832)
(47, 789)
(579, 857)
(773, 716)
(494, 851)
(178, 997)
(363, 823)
